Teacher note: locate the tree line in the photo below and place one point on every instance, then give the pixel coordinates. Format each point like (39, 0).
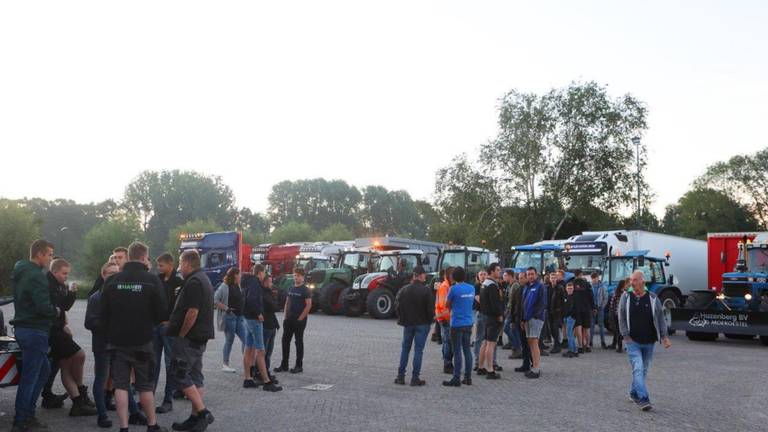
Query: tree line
(562, 162)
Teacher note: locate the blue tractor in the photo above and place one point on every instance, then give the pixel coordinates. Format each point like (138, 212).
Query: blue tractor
(739, 309)
(620, 267)
(543, 257)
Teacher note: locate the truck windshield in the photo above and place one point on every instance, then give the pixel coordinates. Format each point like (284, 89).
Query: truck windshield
(585, 262)
(525, 259)
(452, 259)
(758, 260)
(217, 258)
(312, 264)
(390, 263)
(620, 269)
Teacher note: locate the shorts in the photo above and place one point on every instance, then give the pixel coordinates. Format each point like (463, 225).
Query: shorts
(186, 363)
(492, 329)
(533, 328)
(62, 345)
(254, 338)
(583, 318)
(140, 360)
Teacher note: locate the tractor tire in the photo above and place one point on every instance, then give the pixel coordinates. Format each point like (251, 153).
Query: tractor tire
(669, 300)
(764, 340)
(351, 308)
(330, 298)
(738, 336)
(381, 303)
(701, 337)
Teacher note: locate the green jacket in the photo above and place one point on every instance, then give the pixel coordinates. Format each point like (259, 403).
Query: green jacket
(32, 301)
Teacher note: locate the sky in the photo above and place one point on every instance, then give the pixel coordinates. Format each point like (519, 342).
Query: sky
(94, 92)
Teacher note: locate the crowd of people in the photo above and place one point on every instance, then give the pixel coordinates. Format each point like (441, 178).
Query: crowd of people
(540, 316)
(141, 320)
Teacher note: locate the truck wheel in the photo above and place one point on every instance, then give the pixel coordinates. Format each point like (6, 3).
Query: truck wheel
(669, 300)
(701, 337)
(330, 298)
(351, 308)
(764, 340)
(381, 303)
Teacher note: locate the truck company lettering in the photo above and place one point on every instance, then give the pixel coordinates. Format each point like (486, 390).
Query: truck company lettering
(129, 287)
(718, 319)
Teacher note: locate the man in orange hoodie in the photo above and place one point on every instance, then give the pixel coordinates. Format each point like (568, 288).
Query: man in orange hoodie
(443, 318)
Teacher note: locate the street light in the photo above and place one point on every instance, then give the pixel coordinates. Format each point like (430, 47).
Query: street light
(636, 142)
(61, 239)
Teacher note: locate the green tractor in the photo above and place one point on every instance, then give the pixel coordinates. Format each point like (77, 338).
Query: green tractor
(330, 283)
(313, 266)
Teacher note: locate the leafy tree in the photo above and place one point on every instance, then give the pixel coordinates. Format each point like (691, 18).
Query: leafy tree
(744, 178)
(387, 212)
(702, 210)
(103, 238)
(196, 226)
(292, 232)
(568, 148)
(335, 232)
(18, 230)
(317, 202)
(167, 199)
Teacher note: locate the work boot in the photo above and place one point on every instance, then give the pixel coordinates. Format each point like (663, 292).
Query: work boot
(297, 370)
(104, 422)
(448, 368)
(84, 393)
(80, 408)
(281, 368)
(53, 401)
(400, 380)
(165, 407)
(467, 381)
(137, 419)
(156, 428)
(454, 382)
(417, 382)
(555, 350)
(271, 387)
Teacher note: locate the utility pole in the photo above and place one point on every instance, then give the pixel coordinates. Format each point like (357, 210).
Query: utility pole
(636, 142)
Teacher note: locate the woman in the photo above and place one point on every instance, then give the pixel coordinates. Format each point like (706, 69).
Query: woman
(613, 315)
(229, 304)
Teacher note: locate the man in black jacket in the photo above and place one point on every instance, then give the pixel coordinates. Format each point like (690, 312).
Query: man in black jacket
(415, 307)
(132, 304)
(161, 342)
(253, 312)
(492, 310)
(584, 304)
(271, 324)
(556, 304)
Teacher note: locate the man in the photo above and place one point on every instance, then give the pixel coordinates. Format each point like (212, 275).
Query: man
(161, 342)
(119, 256)
(34, 315)
(583, 304)
(642, 324)
(253, 312)
(534, 314)
(515, 285)
(555, 306)
(271, 325)
(492, 308)
(415, 307)
(443, 318)
(132, 304)
(298, 303)
(191, 325)
(508, 284)
(518, 313)
(599, 294)
(65, 354)
(480, 322)
(460, 301)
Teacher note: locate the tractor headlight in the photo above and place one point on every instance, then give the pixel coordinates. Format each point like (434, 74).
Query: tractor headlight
(311, 286)
(721, 296)
(748, 297)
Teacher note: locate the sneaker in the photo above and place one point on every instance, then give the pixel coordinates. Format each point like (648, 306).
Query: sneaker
(482, 371)
(497, 368)
(104, 422)
(271, 387)
(522, 369)
(645, 405)
(297, 370)
(186, 424)
(137, 419)
(467, 381)
(228, 369)
(633, 398)
(165, 407)
(417, 382)
(492, 376)
(156, 428)
(452, 383)
(400, 380)
(249, 383)
(448, 369)
(280, 369)
(532, 374)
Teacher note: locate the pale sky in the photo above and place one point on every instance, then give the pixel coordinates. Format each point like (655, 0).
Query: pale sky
(92, 93)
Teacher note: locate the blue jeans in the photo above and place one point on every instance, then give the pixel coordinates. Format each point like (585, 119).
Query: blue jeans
(460, 338)
(640, 357)
(34, 371)
(417, 333)
(445, 334)
(162, 343)
(569, 324)
(601, 325)
(269, 345)
(480, 338)
(514, 336)
(100, 375)
(234, 325)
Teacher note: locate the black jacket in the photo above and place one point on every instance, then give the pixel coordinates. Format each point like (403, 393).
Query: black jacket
(252, 291)
(269, 304)
(132, 304)
(93, 323)
(491, 300)
(415, 305)
(62, 299)
(171, 289)
(556, 299)
(196, 293)
(584, 299)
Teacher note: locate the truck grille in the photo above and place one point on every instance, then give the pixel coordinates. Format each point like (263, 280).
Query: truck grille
(738, 289)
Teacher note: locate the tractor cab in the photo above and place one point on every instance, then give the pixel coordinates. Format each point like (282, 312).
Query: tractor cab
(617, 268)
(746, 288)
(545, 258)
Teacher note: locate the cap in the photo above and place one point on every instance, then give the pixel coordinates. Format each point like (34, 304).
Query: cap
(418, 270)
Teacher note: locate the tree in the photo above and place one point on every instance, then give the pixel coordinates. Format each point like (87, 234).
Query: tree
(18, 230)
(173, 242)
(292, 232)
(335, 232)
(703, 210)
(100, 240)
(317, 202)
(744, 179)
(385, 212)
(167, 199)
(567, 148)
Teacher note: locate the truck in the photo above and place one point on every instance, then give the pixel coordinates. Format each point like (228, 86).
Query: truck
(544, 257)
(739, 307)
(218, 251)
(279, 259)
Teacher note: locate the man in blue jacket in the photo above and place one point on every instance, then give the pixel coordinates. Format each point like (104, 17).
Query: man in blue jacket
(253, 311)
(534, 314)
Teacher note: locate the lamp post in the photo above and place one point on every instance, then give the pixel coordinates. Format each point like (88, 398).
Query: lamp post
(636, 142)
(61, 239)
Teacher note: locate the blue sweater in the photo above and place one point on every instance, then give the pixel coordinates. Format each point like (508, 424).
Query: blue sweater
(534, 301)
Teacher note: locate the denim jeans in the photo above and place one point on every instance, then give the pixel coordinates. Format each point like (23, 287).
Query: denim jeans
(640, 357)
(460, 338)
(512, 336)
(162, 344)
(569, 324)
(417, 333)
(34, 371)
(445, 334)
(234, 325)
(100, 374)
(480, 337)
(269, 345)
(526, 349)
(600, 322)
